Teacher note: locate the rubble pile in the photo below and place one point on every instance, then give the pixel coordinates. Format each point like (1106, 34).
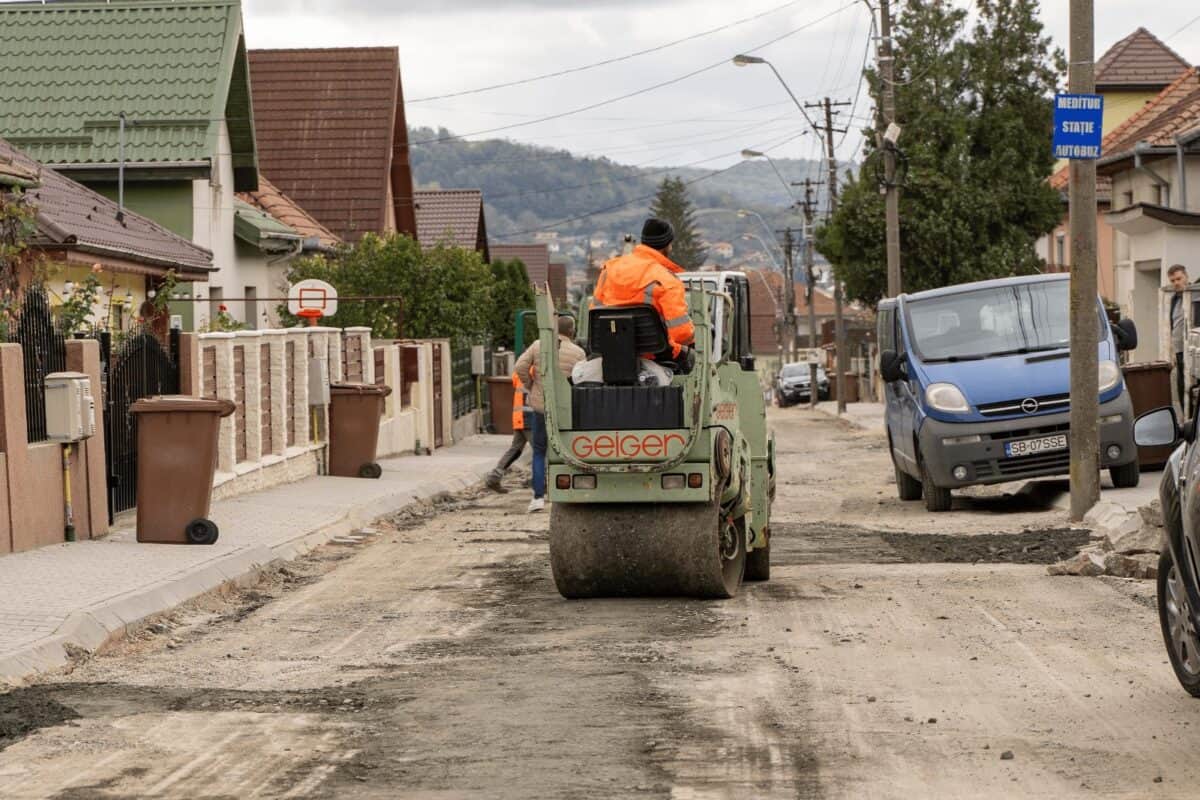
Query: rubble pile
(1128, 547)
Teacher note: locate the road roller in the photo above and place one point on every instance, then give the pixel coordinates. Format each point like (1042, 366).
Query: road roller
(660, 473)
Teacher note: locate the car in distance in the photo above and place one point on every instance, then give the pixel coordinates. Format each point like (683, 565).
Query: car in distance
(978, 386)
(793, 384)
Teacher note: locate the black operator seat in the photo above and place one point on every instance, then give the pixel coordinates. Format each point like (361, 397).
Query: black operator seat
(619, 334)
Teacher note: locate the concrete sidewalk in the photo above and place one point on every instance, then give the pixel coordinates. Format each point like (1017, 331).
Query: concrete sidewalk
(80, 595)
(868, 416)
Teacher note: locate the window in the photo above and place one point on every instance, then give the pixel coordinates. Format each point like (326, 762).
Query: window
(1060, 249)
(1127, 198)
(886, 329)
(251, 307)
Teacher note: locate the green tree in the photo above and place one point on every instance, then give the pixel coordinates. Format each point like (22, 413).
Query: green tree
(976, 112)
(445, 292)
(673, 205)
(511, 292)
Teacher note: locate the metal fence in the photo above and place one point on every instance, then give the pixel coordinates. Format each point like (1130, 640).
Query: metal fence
(463, 398)
(44, 348)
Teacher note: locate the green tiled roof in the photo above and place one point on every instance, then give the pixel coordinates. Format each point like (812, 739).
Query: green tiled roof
(257, 227)
(68, 70)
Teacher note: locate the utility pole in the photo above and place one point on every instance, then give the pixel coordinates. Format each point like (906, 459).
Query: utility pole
(887, 75)
(1085, 330)
(839, 322)
(789, 293)
(809, 207)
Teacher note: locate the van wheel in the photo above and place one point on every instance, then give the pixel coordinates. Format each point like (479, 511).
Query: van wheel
(907, 487)
(1175, 617)
(936, 498)
(1125, 476)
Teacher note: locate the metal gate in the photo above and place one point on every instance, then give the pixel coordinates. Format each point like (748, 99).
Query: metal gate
(139, 367)
(44, 351)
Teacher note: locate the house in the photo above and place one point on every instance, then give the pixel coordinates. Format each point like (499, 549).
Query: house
(451, 217)
(535, 257)
(1153, 164)
(557, 278)
(1130, 75)
(722, 250)
(79, 230)
(182, 119)
(766, 313)
(332, 135)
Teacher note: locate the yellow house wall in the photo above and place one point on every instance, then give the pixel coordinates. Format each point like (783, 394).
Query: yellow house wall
(113, 285)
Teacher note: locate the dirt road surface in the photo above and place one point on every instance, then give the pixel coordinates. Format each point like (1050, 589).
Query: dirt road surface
(894, 654)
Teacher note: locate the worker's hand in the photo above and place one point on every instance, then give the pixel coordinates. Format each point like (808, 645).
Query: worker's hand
(687, 358)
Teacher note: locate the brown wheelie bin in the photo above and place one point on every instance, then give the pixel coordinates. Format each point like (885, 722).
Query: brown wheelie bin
(500, 399)
(1149, 386)
(177, 458)
(354, 412)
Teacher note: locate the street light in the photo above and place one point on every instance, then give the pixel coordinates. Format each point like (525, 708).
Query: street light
(743, 60)
(749, 154)
(765, 248)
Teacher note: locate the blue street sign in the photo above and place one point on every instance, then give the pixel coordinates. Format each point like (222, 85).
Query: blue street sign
(1078, 125)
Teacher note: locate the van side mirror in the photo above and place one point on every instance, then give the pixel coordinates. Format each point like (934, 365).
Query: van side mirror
(1157, 428)
(891, 366)
(746, 363)
(1125, 334)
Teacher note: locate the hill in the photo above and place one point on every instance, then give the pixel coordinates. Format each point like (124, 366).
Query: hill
(527, 188)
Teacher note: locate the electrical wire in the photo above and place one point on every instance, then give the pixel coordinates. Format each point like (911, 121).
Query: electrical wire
(693, 181)
(1190, 23)
(645, 90)
(607, 61)
(862, 78)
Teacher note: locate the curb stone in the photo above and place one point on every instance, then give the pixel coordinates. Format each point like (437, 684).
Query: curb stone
(95, 628)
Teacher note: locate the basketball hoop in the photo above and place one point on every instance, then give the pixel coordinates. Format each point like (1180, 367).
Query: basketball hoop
(312, 299)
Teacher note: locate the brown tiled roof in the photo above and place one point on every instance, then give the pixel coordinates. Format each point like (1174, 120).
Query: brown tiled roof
(535, 257)
(71, 217)
(270, 200)
(1139, 61)
(332, 135)
(1169, 108)
(558, 282)
(451, 216)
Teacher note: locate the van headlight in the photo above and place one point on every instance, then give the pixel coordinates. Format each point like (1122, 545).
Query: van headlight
(946, 397)
(1110, 375)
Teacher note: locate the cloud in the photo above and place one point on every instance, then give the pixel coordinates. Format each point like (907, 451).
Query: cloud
(425, 8)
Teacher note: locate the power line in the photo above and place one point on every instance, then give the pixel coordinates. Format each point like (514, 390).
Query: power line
(607, 61)
(578, 217)
(642, 91)
(1190, 23)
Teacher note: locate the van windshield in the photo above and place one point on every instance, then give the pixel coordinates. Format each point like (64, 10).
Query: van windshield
(1021, 318)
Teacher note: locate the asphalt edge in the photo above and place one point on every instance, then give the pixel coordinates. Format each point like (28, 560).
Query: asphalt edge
(92, 629)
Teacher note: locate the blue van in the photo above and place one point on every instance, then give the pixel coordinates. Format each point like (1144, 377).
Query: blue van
(978, 386)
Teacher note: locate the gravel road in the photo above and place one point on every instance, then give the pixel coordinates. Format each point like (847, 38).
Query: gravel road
(894, 654)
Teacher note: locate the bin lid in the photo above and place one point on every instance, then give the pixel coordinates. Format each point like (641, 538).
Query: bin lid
(1146, 366)
(182, 402)
(359, 389)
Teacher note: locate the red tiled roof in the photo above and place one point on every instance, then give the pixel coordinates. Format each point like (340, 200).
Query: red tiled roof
(1174, 110)
(558, 282)
(270, 200)
(332, 136)
(453, 216)
(1139, 61)
(535, 257)
(74, 218)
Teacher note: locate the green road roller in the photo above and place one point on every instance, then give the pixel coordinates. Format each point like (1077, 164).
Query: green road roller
(660, 474)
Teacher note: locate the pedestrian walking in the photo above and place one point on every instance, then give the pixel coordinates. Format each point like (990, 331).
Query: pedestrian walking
(569, 354)
(522, 426)
(1178, 317)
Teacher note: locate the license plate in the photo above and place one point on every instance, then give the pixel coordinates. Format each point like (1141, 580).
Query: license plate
(1030, 447)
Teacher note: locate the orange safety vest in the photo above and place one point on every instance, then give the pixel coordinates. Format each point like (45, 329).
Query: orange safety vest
(646, 276)
(520, 405)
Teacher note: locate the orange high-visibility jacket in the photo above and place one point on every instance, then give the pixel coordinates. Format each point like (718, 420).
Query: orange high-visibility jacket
(520, 403)
(647, 276)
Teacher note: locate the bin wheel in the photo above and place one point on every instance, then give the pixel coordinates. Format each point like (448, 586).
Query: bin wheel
(371, 470)
(202, 531)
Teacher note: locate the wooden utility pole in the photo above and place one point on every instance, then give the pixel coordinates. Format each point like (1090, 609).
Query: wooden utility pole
(1085, 327)
(839, 323)
(887, 75)
(809, 207)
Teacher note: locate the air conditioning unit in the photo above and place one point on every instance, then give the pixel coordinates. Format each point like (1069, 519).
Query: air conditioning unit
(70, 407)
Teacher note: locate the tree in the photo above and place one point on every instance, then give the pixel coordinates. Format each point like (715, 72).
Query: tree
(977, 119)
(446, 291)
(672, 204)
(511, 292)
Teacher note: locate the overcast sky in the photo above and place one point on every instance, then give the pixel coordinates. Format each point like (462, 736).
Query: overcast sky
(449, 46)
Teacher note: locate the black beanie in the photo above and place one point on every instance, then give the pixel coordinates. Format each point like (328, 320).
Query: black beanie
(657, 233)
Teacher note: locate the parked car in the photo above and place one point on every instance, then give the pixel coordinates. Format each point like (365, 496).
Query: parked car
(978, 386)
(1178, 573)
(792, 385)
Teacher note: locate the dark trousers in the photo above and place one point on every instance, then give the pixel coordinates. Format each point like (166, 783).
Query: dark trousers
(515, 448)
(1179, 382)
(539, 454)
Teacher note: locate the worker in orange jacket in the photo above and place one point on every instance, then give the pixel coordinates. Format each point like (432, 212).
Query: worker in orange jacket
(522, 430)
(647, 275)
